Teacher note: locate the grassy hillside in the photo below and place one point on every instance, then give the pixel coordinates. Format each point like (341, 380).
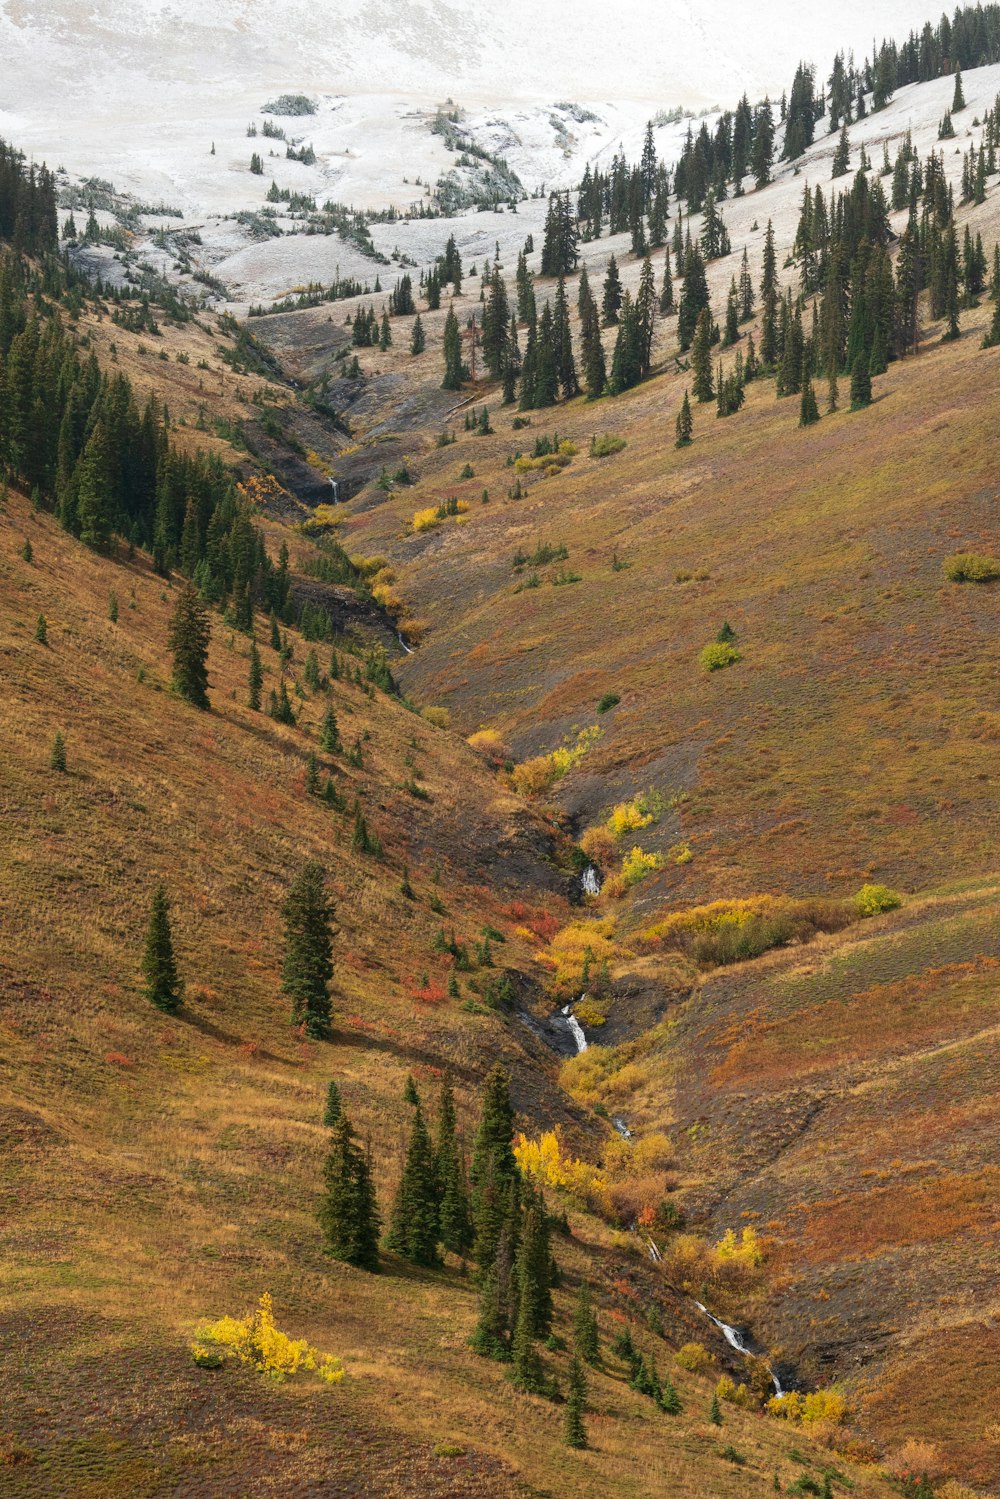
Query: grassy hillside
(159, 1170)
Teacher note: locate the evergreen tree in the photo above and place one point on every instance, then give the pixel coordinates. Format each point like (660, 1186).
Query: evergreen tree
(496, 326)
(280, 707)
(329, 734)
(693, 298)
(57, 758)
(762, 153)
(94, 495)
(188, 641)
(453, 371)
(163, 985)
(701, 358)
(256, 678)
(41, 630)
(493, 1169)
(611, 299)
(574, 1429)
(585, 1336)
(455, 1217)
(413, 1226)
(308, 962)
(334, 1108)
(418, 341)
(685, 424)
(842, 155)
(958, 102)
(565, 364)
(861, 384)
(348, 1211)
(714, 1413)
(808, 409)
(385, 333)
(528, 1374)
(497, 1294)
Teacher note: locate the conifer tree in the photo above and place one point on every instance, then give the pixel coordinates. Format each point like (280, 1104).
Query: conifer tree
(527, 1374)
(455, 1217)
(685, 424)
(714, 1412)
(94, 496)
(42, 630)
(498, 1292)
(958, 102)
(842, 155)
(159, 969)
(565, 364)
(808, 409)
(574, 1430)
(413, 1226)
(585, 1337)
(611, 299)
(57, 758)
(308, 962)
(348, 1211)
(493, 1169)
(188, 641)
(762, 153)
(312, 775)
(701, 358)
(385, 333)
(329, 734)
(418, 341)
(333, 1108)
(255, 678)
(861, 384)
(452, 352)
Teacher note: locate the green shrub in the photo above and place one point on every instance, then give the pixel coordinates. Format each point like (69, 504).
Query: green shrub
(970, 567)
(872, 900)
(604, 447)
(607, 702)
(719, 655)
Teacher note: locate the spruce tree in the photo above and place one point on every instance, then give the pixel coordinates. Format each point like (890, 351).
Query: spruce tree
(329, 734)
(685, 424)
(714, 1412)
(574, 1430)
(585, 1337)
(498, 1292)
(308, 962)
(611, 298)
(493, 1169)
(255, 678)
(452, 352)
(861, 384)
(958, 102)
(348, 1211)
(188, 641)
(333, 1108)
(42, 630)
(701, 358)
(455, 1216)
(413, 1226)
(418, 340)
(163, 984)
(527, 1374)
(57, 758)
(808, 409)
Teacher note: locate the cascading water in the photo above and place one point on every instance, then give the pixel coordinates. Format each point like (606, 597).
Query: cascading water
(590, 881)
(736, 1340)
(575, 1028)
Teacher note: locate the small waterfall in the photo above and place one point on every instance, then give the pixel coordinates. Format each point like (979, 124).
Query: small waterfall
(575, 1028)
(621, 1126)
(590, 881)
(736, 1340)
(336, 491)
(407, 648)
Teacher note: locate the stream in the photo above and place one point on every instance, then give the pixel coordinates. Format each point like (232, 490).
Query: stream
(736, 1340)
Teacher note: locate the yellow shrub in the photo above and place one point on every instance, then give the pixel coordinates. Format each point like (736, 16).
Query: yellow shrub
(590, 1013)
(439, 717)
(424, 520)
(488, 744)
(569, 948)
(545, 1162)
(736, 1394)
(822, 1405)
(537, 774)
(696, 1358)
(744, 1249)
(640, 812)
(636, 865)
(598, 845)
(255, 1340)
